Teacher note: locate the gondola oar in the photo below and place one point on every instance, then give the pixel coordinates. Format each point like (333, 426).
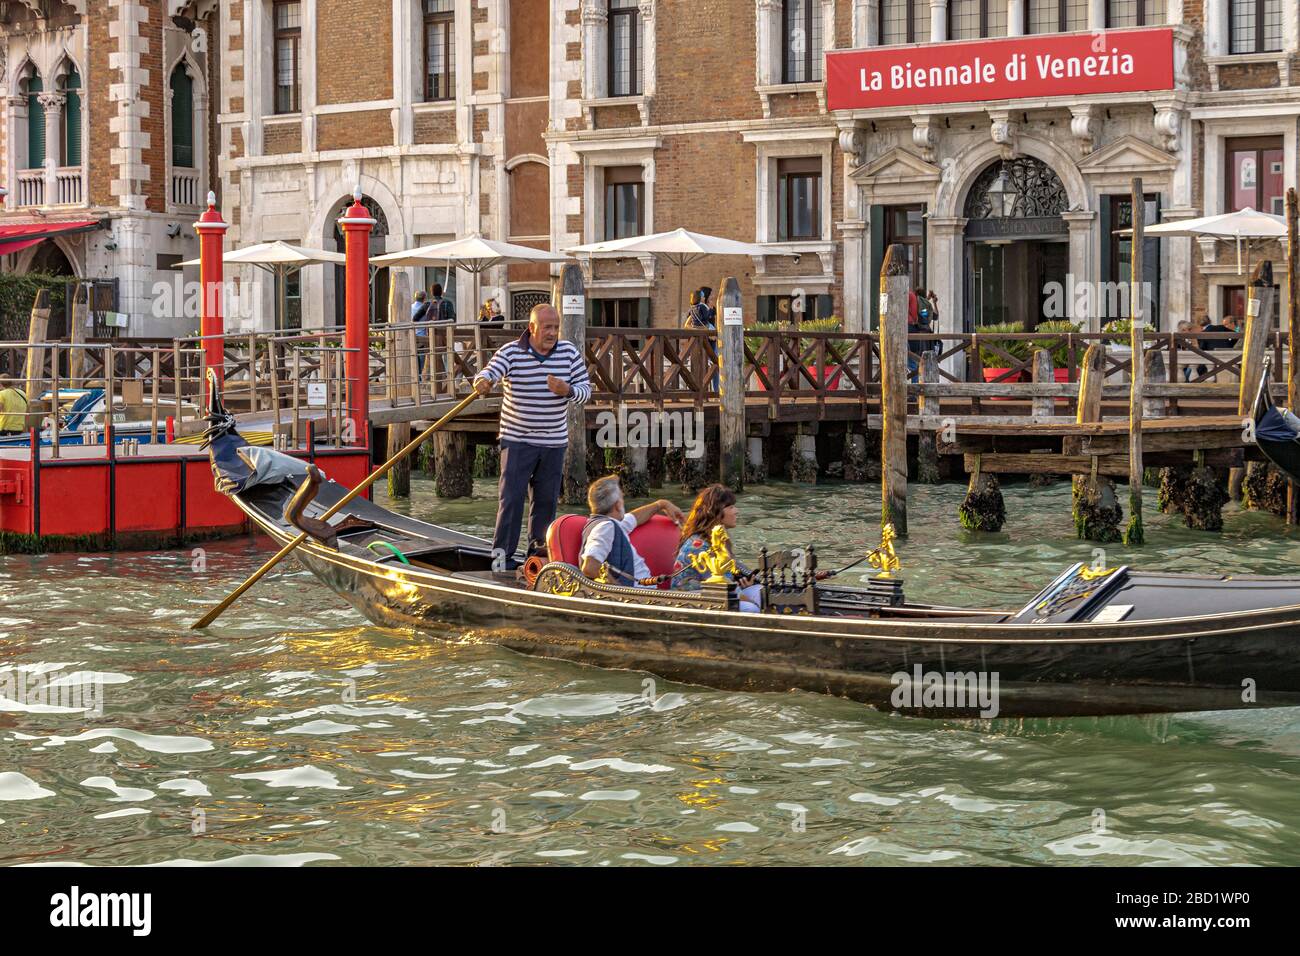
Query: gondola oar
(378, 473)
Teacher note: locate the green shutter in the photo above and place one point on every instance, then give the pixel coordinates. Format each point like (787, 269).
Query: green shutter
(877, 227)
(1107, 239)
(72, 121)
(182, 118)
(35, 125)
(1151, 268)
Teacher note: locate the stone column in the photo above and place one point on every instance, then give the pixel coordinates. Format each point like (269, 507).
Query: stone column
(1081, 268)
(866, 22)
(53, 104)
(595, 52)
(1015, 18)
(938, 21)
(855, 247)
(947, 275)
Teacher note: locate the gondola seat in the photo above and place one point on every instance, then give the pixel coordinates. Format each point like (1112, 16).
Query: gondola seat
(656, 541)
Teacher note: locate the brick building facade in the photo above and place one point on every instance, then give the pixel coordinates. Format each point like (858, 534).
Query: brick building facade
(559, 122)
(106, 120)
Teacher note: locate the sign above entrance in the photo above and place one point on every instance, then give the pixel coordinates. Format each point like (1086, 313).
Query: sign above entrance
(1065, 64)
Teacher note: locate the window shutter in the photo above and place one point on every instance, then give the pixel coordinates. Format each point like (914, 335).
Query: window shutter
(35, 125)
(1106, 271)
(877, 226)
(72, 121)
(182, 119)
(1151, 268)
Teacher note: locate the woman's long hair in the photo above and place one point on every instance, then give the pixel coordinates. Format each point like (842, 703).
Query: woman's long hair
(707, 511)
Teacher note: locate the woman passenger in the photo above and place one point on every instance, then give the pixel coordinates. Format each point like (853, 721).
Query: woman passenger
(716, 505)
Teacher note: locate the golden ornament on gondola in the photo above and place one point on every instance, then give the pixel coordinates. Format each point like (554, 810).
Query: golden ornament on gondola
(717, 560)
(884, 557)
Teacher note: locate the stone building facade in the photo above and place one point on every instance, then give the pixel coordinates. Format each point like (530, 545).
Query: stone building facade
(560, 122)
(106, 121)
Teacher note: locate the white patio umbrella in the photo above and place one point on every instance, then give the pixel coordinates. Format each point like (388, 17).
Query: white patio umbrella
(278, 258)
(472, 253)
(1244, 224)
(680, 247)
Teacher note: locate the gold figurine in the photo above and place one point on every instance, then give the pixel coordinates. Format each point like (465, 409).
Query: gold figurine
(884, 557)
(717, 560)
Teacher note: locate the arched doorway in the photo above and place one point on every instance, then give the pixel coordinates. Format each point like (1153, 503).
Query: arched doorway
(51, 260)
(1017, 243)
(378, 277)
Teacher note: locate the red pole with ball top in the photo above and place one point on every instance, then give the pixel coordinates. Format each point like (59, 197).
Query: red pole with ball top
(356, 225)
(212, 231)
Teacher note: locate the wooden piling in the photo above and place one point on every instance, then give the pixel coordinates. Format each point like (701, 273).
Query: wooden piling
(453, 478)
(755, 460)
(570, 300)
(79, 309)
(1133, 534)
(1261, 303)
(927, 454)
(396, 363)
(731, 384)
(399, 476)
(895, 284)
(37, 330)
(1097, 514)
(983, 508)
(1044, 374)
(1293, 329)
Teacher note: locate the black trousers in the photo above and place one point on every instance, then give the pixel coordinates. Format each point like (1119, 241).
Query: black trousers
(533, 471)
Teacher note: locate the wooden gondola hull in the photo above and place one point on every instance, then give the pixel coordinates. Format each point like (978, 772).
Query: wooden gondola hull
(1153, 669)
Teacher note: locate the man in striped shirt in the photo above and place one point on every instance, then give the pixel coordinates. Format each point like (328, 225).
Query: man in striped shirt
(542, 375)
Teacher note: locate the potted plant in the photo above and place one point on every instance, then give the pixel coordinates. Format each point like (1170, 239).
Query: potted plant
(995, 363)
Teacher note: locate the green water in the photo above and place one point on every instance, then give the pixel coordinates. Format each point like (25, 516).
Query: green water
(293, 732)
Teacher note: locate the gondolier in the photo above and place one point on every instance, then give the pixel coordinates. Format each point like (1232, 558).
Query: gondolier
(542, 376)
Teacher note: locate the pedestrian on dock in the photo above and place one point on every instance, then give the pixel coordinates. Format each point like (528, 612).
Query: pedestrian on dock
(13, 409)
(541, 375)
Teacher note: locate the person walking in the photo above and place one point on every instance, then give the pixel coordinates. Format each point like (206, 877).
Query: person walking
(541, 376)
(440, 309)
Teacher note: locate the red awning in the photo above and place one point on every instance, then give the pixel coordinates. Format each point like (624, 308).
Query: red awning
(15, 238)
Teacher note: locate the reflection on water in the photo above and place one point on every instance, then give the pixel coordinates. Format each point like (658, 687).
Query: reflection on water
(294, 733)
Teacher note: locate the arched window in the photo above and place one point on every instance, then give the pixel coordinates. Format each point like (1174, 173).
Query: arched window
(182, 87)
(71, 118)
(35, 122)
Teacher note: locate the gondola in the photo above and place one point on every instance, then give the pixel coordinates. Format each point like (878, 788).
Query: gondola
(1093, 642)
(1278, 440)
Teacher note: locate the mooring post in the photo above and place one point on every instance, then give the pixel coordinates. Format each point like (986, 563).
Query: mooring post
(1096, 512)
(895, 283)
(37, 332)
(399, 313)
(80, 312)
(731, 384)
(1137, 309)
(453, 469)
(570, 299)
(927, 453)
(1044, 374)
(212, 231)
(399, 476)
(1260, 305)
(356, 224)
(1293, 329)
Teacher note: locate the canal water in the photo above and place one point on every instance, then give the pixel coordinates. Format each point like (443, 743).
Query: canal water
(293, 732)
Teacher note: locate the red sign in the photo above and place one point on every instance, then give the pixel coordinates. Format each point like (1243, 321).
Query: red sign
(1065, 64)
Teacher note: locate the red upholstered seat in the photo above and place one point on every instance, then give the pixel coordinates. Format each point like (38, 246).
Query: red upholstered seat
(564, 538)
(656, 541)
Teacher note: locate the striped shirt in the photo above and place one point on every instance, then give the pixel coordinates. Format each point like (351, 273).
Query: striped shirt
(531, 412)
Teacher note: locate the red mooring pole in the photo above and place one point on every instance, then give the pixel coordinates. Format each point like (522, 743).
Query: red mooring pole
(356, 225)
(212, 231)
